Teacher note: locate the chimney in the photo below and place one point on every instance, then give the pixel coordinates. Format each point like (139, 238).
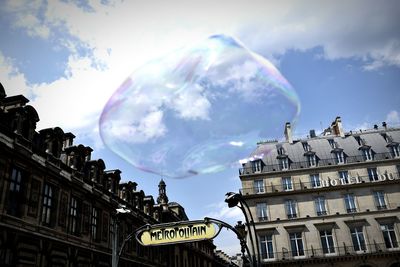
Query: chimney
(384, 125)
(312, 133)
(337, 127)
(288, 133)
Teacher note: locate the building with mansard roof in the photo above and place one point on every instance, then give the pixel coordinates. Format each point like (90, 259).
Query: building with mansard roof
(326, 200)
(58, 206)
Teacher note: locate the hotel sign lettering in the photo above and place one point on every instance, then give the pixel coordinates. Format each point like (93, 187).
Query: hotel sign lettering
(354, 180)
(165, 234)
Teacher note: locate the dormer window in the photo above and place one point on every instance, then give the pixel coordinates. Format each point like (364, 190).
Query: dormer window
(395, 151)
(339, 157)
(306, 147)
(256, 165)
(312, 160)
(384, 135)
(367, 153)
(281, 151)
(331, 143)
(358, 139)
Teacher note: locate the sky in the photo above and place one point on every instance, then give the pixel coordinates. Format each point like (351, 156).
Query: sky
(183, 90)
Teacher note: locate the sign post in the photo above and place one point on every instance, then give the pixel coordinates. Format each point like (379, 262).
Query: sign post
(181, 232)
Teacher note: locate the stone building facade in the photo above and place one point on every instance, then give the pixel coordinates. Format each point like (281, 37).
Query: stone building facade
(327, 200)
(58, 206)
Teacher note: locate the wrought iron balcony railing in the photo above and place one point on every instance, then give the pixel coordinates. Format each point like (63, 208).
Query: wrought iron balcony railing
(319, 163)
(276, 187)
(345, 250)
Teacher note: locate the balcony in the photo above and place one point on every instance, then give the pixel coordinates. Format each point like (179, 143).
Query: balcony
(319, 163)
(335, 252)
(307, 186)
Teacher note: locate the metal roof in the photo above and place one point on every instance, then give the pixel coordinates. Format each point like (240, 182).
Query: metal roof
(374, 139)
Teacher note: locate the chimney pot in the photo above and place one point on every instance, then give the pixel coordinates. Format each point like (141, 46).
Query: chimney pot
(288, 133)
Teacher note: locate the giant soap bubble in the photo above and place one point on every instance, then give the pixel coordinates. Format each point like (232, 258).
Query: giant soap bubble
(198, 109)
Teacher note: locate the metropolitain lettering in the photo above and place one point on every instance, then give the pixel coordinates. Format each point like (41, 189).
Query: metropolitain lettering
(182, 232)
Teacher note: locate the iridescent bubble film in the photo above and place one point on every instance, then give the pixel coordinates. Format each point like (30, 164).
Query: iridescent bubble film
(198, 110)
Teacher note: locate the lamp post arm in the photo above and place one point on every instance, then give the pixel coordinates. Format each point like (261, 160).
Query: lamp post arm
(254, 227)
(243, 243)
(123, 245)
(248, 226)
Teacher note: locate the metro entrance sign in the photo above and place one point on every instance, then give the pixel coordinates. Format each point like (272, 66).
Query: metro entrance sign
(180, 232)
(172, 233)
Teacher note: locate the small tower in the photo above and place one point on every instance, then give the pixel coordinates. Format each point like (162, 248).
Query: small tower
(162, 198)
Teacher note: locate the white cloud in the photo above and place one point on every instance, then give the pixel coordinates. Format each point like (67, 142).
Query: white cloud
(33, 26)
(125, 34)
(75, 100)
(223, 212)
(152, 28)
(393, 118)
(236, 143)
(192, 104)
(26, 14)
(12, 80)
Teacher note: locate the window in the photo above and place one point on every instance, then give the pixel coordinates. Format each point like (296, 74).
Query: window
(15, 193)
(256, 166)
(367, 154)
(48, 204)
(94, 223)
(306, 147)
(331, 143)
(395, 151)
(291, 209)
(389, 235)
(327, 241)
(312, 160)
(350, 203)
(315, 181)
(320, 206)
(357, 236)
(267, 248)
(344, 177)
(259, 186)
(380, 200)
(287, 183)
(296, 244)
(358, 139)
(262, 211)
(373, 174)
(284, 163)
(339, 157)
(74, 216)
(280, 150)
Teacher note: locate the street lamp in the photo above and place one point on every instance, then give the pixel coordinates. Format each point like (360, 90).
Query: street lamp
(233, 200)
(115, 254)
(239, 230)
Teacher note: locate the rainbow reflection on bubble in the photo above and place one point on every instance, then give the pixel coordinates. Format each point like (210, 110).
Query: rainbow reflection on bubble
(198, 110)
